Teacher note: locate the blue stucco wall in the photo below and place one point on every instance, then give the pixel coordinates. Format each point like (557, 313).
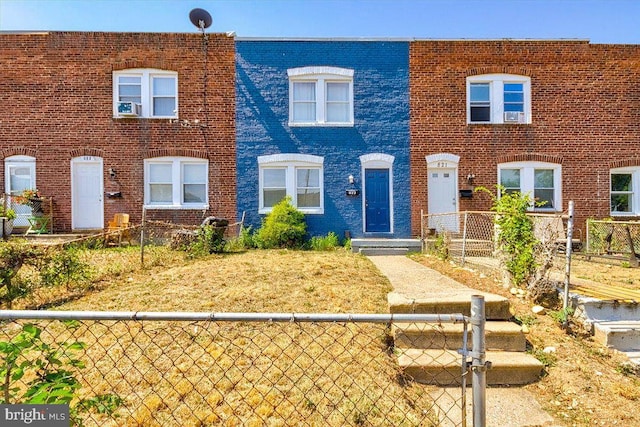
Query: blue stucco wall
(381, 113)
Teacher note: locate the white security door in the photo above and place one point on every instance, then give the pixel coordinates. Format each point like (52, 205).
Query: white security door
(20, 175)
(443, 199)
(86, 193)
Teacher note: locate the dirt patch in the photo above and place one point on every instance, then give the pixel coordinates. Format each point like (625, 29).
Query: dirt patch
(585, 384)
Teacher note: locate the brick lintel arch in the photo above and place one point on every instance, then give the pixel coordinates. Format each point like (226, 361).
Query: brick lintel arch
(19, 151)
(176, 152)
(623, 163)
(499, 69)
(157, 64)
(530, 157)
(86, 151)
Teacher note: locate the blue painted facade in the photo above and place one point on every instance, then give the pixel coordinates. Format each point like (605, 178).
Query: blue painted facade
(381, 126)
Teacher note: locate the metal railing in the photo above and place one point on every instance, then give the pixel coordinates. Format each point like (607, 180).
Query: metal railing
(176, 369)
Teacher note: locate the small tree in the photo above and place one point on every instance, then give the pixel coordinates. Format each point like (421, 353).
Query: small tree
(284, 227)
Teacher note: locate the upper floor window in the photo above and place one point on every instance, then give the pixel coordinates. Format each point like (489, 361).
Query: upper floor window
(625, 200)
(320, 96)
(498, 99)
(145, 93)
(299, 176)
(176, 182)
(539, 180)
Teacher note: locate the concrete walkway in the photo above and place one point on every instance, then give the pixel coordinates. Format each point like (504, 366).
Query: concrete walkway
(506, 407)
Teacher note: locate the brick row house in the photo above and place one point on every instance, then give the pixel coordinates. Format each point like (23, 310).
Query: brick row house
(363, 135)
(111, 122)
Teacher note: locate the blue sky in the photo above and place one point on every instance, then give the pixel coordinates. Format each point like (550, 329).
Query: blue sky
(601, 21)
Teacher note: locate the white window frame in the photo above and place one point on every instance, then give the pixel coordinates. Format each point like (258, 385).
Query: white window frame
(146, 80)
(496, 84)
(177, 182)
(320, 76)
(291, 163)
(527, 181)
(634, 171)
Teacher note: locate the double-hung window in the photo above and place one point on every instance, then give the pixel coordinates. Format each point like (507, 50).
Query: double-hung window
(320, 96)
(147, 93)
(541, 181)
(498, 99)
(299, 176)
(625, 199)
(176, 182)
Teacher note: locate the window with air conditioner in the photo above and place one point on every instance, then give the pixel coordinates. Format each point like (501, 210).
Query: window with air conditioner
(147, 93)
(498, 99)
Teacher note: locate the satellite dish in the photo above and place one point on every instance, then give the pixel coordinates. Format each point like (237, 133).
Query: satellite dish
(200, 18)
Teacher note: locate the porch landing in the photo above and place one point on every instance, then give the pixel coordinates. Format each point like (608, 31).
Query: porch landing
(381, 246)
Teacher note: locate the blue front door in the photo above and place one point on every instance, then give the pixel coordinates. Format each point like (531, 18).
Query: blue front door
(377, 211)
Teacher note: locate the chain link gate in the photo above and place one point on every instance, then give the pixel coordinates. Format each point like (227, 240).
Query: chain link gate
(235, 369)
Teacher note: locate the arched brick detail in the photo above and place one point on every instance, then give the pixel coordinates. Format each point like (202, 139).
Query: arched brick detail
(136, 63)
(530, 157)
(501, 69)
(87, 151)
(622, 163)
(175, 152)
(19, 151)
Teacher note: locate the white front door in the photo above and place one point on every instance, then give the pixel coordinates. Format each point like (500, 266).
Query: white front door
(86, 193)
(443, 199)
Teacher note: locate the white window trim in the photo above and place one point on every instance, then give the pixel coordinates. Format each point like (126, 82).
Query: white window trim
(496, 96)
(291, 162)
(146, 93)
(527, 181)
(176, 181)
(321, 76)
(635, 194)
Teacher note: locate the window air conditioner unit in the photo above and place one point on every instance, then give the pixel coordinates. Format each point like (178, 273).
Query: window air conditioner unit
(514, 117)
(131, 109)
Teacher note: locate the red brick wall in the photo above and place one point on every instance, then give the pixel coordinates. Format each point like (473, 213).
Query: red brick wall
(585, 115)
(56, 90)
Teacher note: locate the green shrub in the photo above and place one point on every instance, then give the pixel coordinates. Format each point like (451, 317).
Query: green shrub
(13, 255)
(284, 227)
(64, 267)
(325, 243)
(209, 240)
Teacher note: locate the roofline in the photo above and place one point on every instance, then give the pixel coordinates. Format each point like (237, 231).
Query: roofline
(407, 39)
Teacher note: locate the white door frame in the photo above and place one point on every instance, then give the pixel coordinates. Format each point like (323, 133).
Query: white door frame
(74, 214)
(444, 161)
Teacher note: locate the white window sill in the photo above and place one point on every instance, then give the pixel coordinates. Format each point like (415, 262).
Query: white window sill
(176, 207)
(314, 124)
(499, 123)
(319, 211)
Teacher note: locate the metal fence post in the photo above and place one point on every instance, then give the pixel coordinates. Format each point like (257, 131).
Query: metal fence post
(478, 364)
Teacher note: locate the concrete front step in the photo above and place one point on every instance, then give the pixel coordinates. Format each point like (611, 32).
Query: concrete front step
(443, 367)
(383, 251)
(621, 335)
(364, 245)
(496, 306)
(499, 335)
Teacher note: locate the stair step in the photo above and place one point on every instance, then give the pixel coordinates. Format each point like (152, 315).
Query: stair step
(383, 251)
(443, 367)
(364, 246)
(621, 335)
(496, 307)
(499, 335)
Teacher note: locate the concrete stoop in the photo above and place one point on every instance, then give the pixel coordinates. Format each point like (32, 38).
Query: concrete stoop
(428, 353)
(381, 246)
(443, 367)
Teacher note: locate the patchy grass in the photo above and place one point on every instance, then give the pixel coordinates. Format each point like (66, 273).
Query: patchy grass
(201, 373)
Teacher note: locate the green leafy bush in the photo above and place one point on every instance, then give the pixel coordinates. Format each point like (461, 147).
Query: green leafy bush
(64, 267)
(209, 240)
(325, 243)
(284, 227)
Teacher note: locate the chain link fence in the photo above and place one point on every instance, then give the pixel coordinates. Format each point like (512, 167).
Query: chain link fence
(619, 239)
(236, 369)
